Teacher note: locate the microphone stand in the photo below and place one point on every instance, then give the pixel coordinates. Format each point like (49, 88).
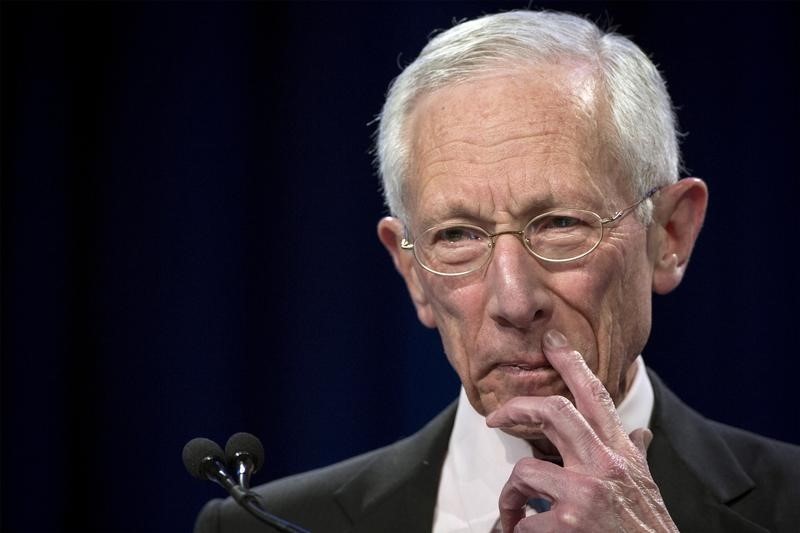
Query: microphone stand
(252, 503)
(215, 471)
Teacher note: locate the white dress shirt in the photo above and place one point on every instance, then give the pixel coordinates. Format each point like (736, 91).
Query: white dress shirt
(479, 460)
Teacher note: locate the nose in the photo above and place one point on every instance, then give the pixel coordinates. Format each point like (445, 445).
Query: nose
(517, 296)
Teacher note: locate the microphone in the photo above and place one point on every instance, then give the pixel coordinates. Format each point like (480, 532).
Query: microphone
(245, 455)
(202, 459)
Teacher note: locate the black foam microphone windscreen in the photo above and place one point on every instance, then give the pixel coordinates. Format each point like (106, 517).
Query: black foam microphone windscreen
(195, 451)
(247, 443)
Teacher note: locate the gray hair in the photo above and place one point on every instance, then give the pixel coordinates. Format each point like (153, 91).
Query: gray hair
(642, 127)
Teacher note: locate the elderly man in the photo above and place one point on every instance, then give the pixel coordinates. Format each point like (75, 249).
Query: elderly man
(530, 164)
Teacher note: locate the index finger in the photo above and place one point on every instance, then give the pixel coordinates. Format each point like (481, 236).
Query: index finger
(591, 397)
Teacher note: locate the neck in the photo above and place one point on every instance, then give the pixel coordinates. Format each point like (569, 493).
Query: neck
(626, 381)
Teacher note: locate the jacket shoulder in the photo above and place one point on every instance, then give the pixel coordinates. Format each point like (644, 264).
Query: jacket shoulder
(710, 473)
(323, 499)
(289, 498)
(774, 467)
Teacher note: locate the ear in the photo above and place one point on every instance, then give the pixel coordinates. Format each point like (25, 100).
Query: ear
(677, 218)
(390, 232)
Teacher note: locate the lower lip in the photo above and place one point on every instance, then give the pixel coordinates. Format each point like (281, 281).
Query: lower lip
(515, 380)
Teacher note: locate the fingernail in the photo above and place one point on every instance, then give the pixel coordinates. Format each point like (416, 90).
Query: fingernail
(648, 438)
(555, 339)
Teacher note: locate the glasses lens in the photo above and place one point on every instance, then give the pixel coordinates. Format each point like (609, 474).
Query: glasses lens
(453, 249)
(564, 234)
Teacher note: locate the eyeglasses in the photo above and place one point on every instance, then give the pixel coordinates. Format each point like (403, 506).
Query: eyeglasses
(557, 236)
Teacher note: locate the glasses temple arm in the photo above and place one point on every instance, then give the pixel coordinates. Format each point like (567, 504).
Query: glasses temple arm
(622, 212)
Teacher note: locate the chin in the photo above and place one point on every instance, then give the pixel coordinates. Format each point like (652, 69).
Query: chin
(490, 401)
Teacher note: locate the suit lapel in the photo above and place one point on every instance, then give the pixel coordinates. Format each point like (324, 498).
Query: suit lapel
(397, 492)
(696, 472)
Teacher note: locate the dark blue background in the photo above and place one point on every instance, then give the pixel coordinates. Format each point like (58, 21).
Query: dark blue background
(189, 244)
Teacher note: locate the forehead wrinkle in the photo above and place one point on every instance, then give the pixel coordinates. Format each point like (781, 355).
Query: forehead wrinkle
(438, 153)
(538, 156)
(527, 188)
(440, 161)
(452, 208)
(461, 139)
(474, 132)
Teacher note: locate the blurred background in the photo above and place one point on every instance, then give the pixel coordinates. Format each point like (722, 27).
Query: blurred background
(189, 249)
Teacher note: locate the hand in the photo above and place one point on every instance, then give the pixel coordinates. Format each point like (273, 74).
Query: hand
(604, 483)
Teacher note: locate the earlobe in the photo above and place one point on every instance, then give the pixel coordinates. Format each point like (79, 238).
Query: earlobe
(668, 273)
(670, 261)
(390, 232)
(678, 217)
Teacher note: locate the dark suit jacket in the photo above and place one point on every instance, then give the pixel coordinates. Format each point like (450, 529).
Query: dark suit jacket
(714, 478)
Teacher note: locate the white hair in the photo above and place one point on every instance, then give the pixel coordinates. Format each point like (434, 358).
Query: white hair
(640, 130)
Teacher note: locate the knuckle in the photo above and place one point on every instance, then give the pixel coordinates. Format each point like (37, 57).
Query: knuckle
(577, 361)
(506, 506)
(566, 517)
(614, 467)
(593, 489)
(524, 468)
(599, 391)
(518, 408)
(595, 494)
(557, 405)
(526, 525)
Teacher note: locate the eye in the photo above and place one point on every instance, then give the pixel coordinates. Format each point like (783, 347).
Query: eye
(564, 221)
(455, 234)
(561, 222)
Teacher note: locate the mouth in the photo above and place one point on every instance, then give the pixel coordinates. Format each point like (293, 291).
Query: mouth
(523, 368)
(517, 378)
(525, 375)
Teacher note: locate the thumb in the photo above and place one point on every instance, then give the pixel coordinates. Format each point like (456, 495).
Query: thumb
(641, 438)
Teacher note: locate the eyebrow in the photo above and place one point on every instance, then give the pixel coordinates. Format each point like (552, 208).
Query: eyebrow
(461, 211)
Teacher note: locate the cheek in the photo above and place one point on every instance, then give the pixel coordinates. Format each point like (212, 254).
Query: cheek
(621, 315)
(588, 300)
(596, 304)
(458, 305)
